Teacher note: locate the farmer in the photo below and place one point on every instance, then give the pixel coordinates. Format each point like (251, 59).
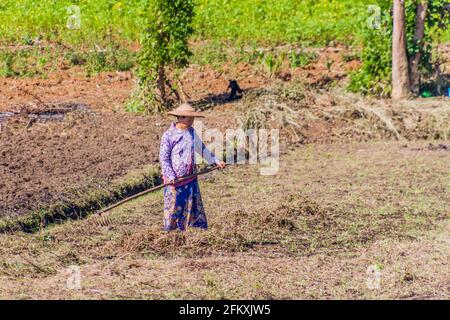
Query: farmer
(183, 205)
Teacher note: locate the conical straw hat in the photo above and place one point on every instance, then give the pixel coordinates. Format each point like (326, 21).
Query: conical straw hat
(186, 110)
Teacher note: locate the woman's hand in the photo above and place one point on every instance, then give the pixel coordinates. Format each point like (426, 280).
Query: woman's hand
(221, 165)
(171, 186)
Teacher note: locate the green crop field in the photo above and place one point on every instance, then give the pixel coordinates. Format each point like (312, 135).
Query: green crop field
(222, 28)
(312, 22)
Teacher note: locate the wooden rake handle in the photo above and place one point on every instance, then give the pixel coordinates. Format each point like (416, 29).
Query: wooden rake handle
(156, 188)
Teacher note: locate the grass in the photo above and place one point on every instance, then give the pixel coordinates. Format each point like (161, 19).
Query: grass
(40, 61)
(309, 232)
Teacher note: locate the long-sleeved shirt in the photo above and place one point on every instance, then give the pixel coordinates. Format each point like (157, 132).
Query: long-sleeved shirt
(177, 153)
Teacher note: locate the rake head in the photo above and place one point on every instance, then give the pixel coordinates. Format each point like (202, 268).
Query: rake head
(103, 220)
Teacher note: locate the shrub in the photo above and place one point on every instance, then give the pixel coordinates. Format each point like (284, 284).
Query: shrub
(164, 45)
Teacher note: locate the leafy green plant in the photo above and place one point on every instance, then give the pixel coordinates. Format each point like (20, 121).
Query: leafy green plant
(301, 58)
(96, 62)
(373, 78)
(212, 53)
(222, 28)
(268, 22)
(350, 57)
(329, 64)
(272, 62)
(164, 42)
(116, 58)
(23, 63)
(436, 24)
(75, 58)
(7, 69)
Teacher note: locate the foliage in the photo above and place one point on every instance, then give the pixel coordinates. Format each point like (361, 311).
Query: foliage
(301, 59)
(222, 29)
(47, 19)
(272, 22)
(266, 22)
(436, 24)
(374, 76)
(164, 44)
(109, 60)
(26, 63)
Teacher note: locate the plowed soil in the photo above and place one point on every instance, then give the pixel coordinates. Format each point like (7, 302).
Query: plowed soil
(41, 160)
(38, 164)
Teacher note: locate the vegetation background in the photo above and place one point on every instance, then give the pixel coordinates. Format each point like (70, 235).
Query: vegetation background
(219, 22)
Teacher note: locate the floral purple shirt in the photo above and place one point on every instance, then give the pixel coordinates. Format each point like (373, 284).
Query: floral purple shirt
(177, 153)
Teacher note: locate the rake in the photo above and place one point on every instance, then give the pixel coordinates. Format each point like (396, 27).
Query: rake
(102, 216)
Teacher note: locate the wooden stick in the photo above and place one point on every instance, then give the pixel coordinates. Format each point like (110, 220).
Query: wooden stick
(34, 264)
(156, 188)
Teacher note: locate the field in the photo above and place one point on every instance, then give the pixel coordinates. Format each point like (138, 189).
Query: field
(35, 39)
(338, 210)
(363, 185)
(243, 21)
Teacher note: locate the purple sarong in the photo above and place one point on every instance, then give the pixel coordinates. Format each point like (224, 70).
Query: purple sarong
(183, 207)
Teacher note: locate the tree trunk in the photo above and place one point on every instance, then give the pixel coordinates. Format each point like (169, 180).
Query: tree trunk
(400, 70)
(174, 91)
(419, 32)
(161, 84)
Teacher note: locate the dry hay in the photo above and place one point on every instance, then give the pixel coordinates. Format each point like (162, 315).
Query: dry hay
(235, 231)
(369, 118)
(276, 107)
(343, 117)
(293, 225)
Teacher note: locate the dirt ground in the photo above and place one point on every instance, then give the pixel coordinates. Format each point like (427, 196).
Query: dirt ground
(108, 91)
(39, 163)
(316, 230)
